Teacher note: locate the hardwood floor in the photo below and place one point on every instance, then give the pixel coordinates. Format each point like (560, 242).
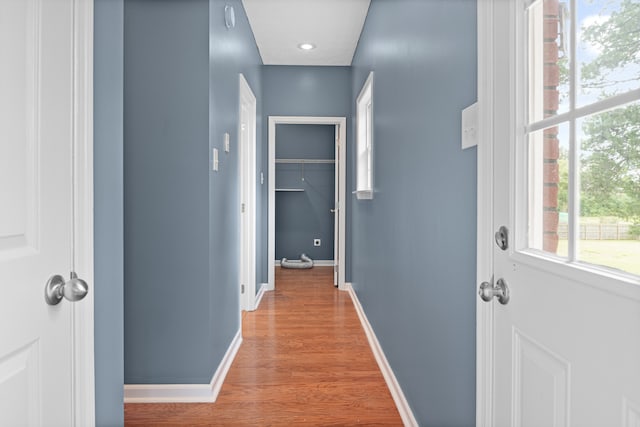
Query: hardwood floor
(304, 360)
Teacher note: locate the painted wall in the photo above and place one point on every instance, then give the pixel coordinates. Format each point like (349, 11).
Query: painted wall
(108, 211)
(302, 217)
(301, 91)
(413, 249)
(182, 70)
(166, 170)
(232, 51)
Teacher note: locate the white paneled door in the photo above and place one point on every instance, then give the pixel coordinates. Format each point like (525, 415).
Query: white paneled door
(37, 134)
(565, 348)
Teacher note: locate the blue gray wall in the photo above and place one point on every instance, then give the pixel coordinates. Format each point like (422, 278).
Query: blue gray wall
(301, 91)
(181, 89)
(302, 217)
(413, 253)
(108, 211)
(166, 167)
(232, 51)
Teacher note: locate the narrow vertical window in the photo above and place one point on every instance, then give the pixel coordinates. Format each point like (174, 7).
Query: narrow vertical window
(364, 141)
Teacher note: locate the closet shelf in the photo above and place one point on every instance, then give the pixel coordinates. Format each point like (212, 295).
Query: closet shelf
(303, 161)
(290, 190)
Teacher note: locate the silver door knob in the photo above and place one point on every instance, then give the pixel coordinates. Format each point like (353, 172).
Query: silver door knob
(489, 290)
(73, 290)
(332, 210)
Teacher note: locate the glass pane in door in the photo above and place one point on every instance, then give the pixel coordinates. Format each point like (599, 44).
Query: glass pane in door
(609, 230)
(548, 190)
(548, 59)
(608, 48)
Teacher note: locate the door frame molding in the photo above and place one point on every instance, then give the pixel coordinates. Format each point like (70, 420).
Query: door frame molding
(341, 122)
(247, 177)
(484, 269)
(83, 311)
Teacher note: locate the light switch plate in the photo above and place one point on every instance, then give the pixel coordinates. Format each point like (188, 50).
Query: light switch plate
(470, 126)
(226, 142)
(216, 162)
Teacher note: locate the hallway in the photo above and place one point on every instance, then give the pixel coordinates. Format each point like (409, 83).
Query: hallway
(304, 360)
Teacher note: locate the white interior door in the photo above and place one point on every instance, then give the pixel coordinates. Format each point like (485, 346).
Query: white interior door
(247, 147)
(37, 127)
(565, 349)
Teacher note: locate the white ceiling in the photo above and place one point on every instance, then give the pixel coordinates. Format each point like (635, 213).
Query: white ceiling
(279, 26)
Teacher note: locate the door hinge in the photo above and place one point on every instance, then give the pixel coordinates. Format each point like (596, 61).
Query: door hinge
(335, 268)
(242, 289)
(242, 208)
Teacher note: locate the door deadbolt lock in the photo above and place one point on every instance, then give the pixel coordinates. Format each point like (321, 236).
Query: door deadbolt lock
(488, 290)
(502, 238)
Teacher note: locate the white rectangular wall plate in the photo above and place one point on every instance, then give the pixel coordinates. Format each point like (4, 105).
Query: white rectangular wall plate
(216, 162)
(470, 126)
(226, 142)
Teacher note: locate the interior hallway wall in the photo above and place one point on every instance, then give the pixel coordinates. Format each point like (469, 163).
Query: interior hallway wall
(414, 250)
(182, 70)
(232, 51)
(301, 91)
(108, 190)
(166, 170)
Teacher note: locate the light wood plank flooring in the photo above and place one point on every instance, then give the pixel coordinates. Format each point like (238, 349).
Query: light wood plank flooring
(304, 360)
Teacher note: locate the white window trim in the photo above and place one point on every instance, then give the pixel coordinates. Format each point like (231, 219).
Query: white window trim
(364, 141)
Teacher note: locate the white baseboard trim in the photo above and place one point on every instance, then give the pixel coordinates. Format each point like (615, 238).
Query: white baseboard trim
(263, 288)
(316, 262)
(394, 387)
(185, 393)
(324, 263)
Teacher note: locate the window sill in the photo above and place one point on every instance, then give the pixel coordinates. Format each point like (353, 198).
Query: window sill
(364, 194)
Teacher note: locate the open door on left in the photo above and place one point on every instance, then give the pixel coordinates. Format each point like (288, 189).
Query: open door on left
(39, 367)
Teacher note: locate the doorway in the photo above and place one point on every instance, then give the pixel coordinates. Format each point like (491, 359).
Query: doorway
(339, 129)
(247, 172)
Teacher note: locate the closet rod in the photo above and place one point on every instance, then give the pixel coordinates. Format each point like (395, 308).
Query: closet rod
(303, 161)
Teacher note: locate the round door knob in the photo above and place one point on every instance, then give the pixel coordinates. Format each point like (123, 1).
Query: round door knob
(488, 290)
(73, 290)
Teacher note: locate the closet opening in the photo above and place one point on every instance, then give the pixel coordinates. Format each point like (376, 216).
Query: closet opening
(307, 171)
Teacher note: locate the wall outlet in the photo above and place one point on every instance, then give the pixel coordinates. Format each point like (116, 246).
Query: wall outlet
(316, 242)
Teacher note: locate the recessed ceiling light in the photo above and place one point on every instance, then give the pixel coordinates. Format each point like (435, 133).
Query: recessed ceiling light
(307, 46)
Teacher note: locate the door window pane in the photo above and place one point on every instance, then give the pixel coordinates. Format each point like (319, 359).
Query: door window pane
(610, 188)
(608, 48)
(548, 189)
(583, 164)
(548, 59)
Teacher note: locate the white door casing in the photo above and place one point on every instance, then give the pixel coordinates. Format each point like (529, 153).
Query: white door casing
(46, 180)
(565, 349)
(336, 211)
(247, 171)
(341, 171)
